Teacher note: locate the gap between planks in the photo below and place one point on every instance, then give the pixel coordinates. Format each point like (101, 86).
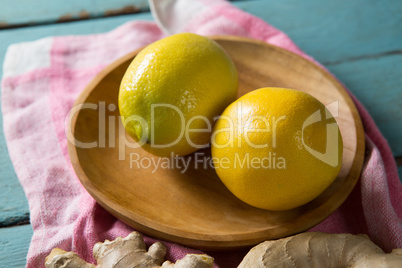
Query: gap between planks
(15, 220)
(69, 19)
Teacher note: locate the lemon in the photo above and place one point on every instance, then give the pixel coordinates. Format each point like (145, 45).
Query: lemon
(172, 91)
(277, 148)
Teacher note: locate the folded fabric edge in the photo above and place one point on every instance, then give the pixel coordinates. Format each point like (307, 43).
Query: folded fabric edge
(24, 57)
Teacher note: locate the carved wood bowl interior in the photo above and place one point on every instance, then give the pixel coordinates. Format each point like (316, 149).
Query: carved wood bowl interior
(194, 208)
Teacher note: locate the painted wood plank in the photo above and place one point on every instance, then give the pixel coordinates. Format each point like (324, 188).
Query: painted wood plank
(400, 172)
(14, 244)
(337, 30)
(331, 31)
(13, 204)
(44, 11)
(28, 12)
(376, 82)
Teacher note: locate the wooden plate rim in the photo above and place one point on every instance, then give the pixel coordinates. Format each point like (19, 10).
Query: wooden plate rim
(224, 241)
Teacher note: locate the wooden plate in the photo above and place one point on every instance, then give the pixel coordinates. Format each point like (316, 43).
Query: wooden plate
(194, 208)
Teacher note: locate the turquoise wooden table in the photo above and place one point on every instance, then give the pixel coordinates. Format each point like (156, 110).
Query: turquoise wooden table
(359, 41)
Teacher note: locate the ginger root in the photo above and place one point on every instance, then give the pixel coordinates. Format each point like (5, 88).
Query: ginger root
(302, 250)
(321, 250)
(125, 253)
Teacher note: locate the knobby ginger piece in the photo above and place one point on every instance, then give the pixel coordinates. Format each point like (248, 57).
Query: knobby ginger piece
(126, 252)
(315, 249)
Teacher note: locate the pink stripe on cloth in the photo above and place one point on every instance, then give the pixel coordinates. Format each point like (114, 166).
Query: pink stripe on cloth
(94, 224)
(36, 103)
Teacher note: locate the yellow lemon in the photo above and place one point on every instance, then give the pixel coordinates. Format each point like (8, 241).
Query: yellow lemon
(277, 148)
(172, 91)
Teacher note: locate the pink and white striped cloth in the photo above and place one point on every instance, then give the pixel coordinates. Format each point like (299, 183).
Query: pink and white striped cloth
(43, 78)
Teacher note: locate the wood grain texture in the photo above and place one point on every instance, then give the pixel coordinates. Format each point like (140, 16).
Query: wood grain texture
(28, 13)
(13, 203)
(376, 82)
(14, 243)
(336, 30)
(400, 172)
(194, 208)
(359, 41)
(23, 12)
